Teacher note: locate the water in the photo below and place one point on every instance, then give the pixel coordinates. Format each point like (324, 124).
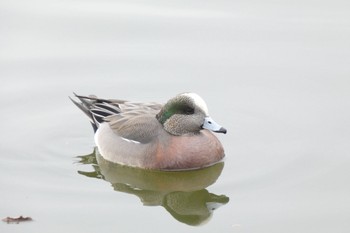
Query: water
(276, 75)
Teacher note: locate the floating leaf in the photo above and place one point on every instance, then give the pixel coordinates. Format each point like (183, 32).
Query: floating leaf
(17, 220)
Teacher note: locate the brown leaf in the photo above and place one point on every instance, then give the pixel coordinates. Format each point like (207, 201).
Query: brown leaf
(17, 220)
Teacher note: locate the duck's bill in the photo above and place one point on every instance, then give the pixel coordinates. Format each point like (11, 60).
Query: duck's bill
(210, 124)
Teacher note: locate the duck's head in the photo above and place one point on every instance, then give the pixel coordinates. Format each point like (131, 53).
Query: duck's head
(187, 113)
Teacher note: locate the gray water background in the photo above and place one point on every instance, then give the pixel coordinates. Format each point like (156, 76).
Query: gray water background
(276, 74)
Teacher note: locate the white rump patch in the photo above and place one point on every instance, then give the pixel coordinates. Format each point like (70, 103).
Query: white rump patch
(198, 101)
(128, 140)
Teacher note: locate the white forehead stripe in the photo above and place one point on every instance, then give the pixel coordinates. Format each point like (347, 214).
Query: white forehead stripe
(198, 101)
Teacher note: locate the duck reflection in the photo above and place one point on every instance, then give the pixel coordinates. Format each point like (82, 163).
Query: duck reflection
(182, 193)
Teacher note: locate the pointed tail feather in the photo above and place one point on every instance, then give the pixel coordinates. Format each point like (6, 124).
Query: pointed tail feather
(97, 109)
(85, 106)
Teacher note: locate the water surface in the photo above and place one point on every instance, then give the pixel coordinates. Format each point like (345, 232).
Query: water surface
(276, 75)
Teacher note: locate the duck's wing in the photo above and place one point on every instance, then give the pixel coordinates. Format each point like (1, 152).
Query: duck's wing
(136, 121)
(130, 120)
(139, 128)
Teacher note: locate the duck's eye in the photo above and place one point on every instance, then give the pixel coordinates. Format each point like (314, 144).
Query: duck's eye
(188, 110)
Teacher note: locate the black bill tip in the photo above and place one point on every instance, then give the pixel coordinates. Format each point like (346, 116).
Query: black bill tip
(221, 130)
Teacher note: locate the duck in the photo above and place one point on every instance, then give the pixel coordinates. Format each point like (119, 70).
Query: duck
(177, 135)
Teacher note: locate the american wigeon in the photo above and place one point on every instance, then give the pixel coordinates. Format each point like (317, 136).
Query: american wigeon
(173, 136)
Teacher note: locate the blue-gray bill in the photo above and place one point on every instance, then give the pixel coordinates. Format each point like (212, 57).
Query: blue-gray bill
(210, 124)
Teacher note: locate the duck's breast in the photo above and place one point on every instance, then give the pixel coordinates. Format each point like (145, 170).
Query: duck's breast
(190, 151)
